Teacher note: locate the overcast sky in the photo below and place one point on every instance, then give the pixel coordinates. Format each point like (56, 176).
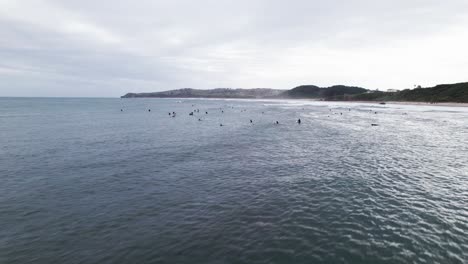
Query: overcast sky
(110, 47)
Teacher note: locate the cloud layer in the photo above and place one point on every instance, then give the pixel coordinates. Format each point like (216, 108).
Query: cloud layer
(108, 48)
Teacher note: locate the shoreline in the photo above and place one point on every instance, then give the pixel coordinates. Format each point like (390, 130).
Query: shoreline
(451, 104)
(454, 104)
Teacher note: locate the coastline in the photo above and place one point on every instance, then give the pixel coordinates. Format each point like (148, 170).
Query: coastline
(451, 104)
(436, 104)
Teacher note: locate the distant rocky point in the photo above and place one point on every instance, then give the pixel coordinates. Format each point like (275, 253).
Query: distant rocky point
(440, 93)
(307, 91)
(212, 93)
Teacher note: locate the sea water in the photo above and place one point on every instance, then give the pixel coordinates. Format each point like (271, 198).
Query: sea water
(108, 181)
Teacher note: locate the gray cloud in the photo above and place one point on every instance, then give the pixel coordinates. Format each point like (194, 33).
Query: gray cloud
(106, 48)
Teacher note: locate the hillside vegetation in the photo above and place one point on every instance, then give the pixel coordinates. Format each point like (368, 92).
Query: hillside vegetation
(441, 93)
(333, 92)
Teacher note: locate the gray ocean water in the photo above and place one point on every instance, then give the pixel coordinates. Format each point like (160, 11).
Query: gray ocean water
(83, 182)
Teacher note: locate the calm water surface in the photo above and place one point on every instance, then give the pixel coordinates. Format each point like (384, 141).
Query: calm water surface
(83, 182)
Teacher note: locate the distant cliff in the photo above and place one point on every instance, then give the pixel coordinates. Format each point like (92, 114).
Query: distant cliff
(306, 91)
(213, 93)
(440, 93)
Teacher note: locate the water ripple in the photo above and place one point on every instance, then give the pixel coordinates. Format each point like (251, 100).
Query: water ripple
(92, 185)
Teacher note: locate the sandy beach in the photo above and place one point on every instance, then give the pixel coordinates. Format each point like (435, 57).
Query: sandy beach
(433, 104)
(451, 104)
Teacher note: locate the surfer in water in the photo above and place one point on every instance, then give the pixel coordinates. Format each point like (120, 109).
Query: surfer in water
(299, 121)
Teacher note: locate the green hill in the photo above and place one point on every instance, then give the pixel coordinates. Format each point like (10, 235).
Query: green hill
(333, 92)
(441, 93)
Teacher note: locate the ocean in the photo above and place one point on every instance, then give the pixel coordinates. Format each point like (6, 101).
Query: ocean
(107, 181)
